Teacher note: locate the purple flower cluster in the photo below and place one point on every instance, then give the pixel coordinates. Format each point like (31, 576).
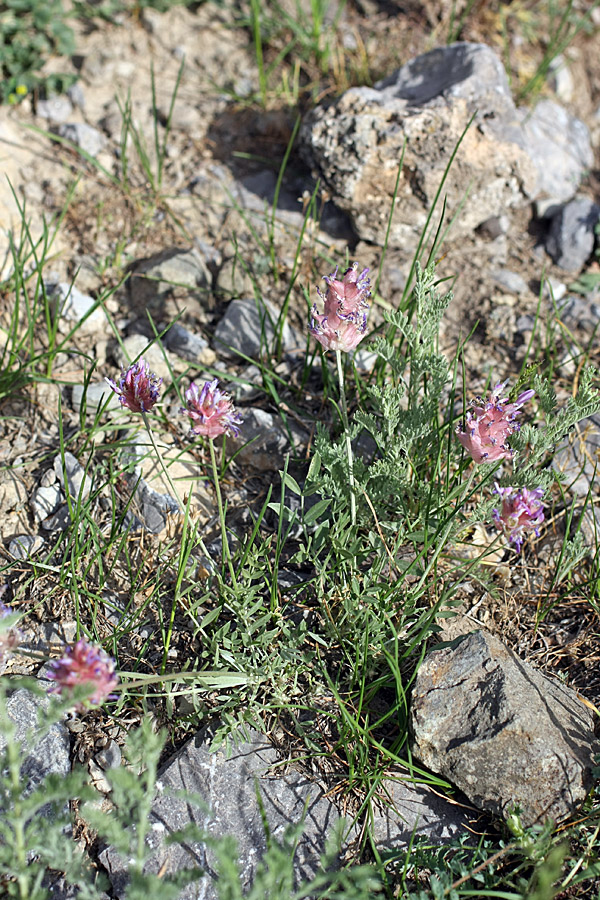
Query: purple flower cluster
(10, 637)
(521, 512)
(138, 387)
(343, 323)
(490, 423)
(84, 664)
(211, 410)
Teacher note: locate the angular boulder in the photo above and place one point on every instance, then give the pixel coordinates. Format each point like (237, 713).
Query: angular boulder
(356, 144)
(502, 732)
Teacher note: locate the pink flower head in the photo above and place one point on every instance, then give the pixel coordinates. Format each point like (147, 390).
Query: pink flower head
(522, 511)
(211, 410)
(84, 663)
(138, 387)
(10, 637)
(343, 323)
(490, 423)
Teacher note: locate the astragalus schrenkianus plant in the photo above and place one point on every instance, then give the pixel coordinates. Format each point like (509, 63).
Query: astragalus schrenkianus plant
(413, 481)
(427, 465)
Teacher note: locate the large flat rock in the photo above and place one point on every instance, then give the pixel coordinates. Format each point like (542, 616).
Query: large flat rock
(228, 786)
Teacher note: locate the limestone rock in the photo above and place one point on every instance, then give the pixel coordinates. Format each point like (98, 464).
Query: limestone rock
(78, 482)
(187, 344)
(356, 144)
(228, 787)
(154, 503)
(502, 732)
(84, 136)
(560, 146)
(263, 440)
(25, 545)
(78, 308)
(95, 396)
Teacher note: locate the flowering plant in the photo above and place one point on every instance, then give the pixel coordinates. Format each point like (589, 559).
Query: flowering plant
(521, 512)
(490, 423)
(84, 664)
(343, 323)
(10, 637)
(211, 410)
(138, 388)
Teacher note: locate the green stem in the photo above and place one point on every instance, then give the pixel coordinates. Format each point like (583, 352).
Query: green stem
(185, 509)
(442, 540)
(344, 407)
(226, 553)
(161, 463)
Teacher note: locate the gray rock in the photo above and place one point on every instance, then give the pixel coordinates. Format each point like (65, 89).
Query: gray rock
(96, 396)
(98, 778)
(76, 95)
(554, 289)
(185, 344)
(79, 483)
(495, 226)
(525, 324)
(44, 502)
(571, 238)
(561, 79)
(42, 756)
(109, 757)
(546, 207)
(156, 277)
(48, 478)
(560, 147)
(25, 545)
(576, 457)
(60, 520)
(246, 329)
(233, 279)
(469, 72)
(510, 281)
(78, 308)
(138, 346)
(251, 388)
(84, 136)
(228, 787)
(266, 440)
(55, 109)
(578, 312)
(59, 888)
(415, 809)
(64, 632)
(507, 158)
(150, 506)
(501, 731)
(154, 499)
(355, 145)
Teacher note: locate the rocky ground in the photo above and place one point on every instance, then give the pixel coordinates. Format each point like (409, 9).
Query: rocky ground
(157, 177)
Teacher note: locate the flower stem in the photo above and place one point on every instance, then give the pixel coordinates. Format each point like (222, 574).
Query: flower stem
(176, 496)
(344, 408)
(226, 552)
(186, 511)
